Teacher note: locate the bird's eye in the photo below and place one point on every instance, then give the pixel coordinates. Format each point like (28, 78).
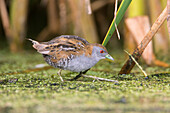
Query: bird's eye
(101, 51)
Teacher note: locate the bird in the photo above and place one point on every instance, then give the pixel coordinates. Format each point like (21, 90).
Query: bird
(70, 52)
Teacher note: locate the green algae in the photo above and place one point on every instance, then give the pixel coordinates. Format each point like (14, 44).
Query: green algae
(26, 89)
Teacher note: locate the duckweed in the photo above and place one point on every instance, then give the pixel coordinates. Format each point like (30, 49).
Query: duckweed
(26, 89)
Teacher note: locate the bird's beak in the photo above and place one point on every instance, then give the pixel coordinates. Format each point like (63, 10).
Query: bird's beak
(109, 57)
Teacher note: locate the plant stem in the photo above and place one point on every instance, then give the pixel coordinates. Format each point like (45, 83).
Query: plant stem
(141, 47)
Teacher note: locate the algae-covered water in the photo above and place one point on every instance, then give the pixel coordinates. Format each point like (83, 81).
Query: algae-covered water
(27, 89)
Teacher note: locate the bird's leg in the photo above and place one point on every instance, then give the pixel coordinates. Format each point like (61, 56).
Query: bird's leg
(59, 73)
(79, 75)
(85, 71)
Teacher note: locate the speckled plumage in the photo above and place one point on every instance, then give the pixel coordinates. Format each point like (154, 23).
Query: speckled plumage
(70, 52)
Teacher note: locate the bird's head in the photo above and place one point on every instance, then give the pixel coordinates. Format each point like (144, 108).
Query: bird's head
(100, 52)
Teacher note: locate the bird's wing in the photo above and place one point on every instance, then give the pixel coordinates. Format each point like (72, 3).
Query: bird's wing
(64, 47)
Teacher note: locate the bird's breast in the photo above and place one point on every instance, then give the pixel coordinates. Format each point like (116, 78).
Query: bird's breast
(81, 63)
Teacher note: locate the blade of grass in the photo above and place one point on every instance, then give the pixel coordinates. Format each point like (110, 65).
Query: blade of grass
(137, 63)
(121, 11)
(115, 18)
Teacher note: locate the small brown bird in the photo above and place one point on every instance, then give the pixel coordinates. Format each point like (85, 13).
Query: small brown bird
(72, 53)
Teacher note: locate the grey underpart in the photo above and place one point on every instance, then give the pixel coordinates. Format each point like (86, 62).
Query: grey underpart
(77, 63)
(81, 63)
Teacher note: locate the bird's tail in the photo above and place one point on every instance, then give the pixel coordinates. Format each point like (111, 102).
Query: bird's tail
(33, 41)
(41, 48)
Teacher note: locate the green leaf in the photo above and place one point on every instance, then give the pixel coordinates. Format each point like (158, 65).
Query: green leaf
(120, 13)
